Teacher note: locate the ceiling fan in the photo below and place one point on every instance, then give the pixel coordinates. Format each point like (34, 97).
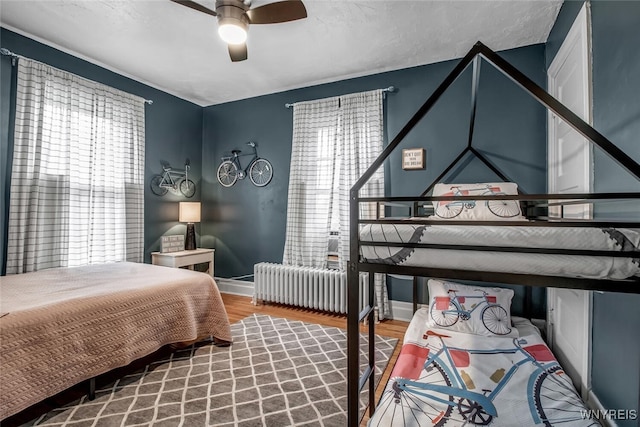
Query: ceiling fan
(234, 17)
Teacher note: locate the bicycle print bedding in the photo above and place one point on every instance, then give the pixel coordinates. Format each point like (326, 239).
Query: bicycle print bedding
(448, 378)
(565, 238)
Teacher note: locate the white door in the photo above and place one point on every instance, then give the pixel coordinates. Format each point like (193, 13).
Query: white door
(570, 171)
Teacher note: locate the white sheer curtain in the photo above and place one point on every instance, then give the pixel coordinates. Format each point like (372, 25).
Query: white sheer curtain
(361, 141)
(77, 180)
(311, 181)
(334, 142)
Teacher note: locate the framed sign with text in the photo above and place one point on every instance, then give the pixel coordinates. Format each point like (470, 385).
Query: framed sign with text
(413, 158)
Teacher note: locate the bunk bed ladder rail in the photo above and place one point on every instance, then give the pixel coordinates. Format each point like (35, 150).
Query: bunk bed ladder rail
(355, 382)
(368, 316)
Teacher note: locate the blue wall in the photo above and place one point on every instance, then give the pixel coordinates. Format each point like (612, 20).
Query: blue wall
(247, 225)
(6, 83)
(616, 114)
(173, 133)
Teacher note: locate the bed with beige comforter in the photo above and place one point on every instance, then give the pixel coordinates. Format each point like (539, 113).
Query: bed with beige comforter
(61, 326)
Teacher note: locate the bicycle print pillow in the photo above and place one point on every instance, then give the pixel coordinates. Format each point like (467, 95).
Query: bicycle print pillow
(470, 309)
(479, 210)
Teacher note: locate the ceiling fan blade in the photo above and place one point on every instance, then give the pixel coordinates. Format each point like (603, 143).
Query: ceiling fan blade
(195, 6)
(281, 11)
(238, 52)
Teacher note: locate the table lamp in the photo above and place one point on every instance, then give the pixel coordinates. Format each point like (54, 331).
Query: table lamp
(190, 213)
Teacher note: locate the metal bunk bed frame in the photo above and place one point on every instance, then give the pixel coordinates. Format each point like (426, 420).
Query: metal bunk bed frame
(355, 381)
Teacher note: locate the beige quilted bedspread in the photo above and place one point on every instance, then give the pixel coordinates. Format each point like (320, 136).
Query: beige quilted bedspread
(61, 326)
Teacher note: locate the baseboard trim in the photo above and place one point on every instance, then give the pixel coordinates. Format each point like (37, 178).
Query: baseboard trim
(401, 310)
(594, 403)
(235, 287)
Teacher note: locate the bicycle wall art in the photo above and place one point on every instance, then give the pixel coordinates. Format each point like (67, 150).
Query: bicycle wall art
(176, 181)
(258, 170)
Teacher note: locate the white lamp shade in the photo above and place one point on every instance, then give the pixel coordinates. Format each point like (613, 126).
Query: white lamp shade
(189, 212)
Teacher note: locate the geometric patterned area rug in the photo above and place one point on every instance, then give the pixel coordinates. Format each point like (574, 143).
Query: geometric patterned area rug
(277, 372)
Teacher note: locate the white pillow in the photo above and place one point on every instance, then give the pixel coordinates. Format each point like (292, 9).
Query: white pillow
(482, 210)
(470, 309)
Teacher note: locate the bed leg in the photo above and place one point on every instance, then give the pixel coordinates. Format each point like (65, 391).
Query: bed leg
(92, 388)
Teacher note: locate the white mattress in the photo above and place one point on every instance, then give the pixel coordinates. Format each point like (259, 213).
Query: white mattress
(580, 238)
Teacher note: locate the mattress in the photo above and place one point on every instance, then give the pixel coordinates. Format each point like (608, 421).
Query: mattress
(456, 379)
(577, 238)
(65, 325)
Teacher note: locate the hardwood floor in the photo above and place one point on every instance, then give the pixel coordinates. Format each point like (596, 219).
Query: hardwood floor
(238, 307)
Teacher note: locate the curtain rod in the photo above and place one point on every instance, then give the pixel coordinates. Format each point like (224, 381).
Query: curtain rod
(386, 89)
(7, 52)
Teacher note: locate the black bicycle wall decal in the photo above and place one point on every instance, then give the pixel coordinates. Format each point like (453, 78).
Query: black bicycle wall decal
(259, 170)
(173, 180)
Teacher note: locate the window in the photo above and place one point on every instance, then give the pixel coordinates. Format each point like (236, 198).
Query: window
(334, 141)
(328, 175)
(77, 184)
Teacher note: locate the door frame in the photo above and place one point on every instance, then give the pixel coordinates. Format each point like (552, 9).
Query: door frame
(579, 36)
(580, 33)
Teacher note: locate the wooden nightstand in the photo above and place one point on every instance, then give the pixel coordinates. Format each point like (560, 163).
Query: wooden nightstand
(184, 259)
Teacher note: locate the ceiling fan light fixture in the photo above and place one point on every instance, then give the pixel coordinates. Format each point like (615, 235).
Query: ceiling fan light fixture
(233, 22)
(232, 32)
(234, 17)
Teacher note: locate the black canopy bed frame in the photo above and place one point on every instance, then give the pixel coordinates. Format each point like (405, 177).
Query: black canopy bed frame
(534, 205)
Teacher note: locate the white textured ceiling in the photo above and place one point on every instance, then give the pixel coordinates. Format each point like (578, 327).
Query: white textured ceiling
(177, 50)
